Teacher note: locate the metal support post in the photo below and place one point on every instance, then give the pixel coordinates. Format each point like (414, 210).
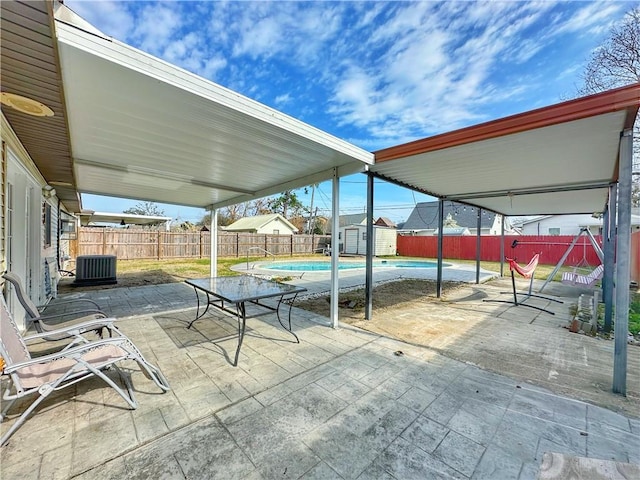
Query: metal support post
(440, 228)
(335, 248)
(213, 240)
(478, 244)
(609, 239)
(623, 263)
(502, 247)
(368, 304)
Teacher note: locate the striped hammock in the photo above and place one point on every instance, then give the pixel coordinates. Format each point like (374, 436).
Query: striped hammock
(526, 271)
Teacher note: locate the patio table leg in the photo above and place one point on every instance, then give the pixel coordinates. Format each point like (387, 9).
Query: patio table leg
(290, 330)
(241, 313)
(198, 314)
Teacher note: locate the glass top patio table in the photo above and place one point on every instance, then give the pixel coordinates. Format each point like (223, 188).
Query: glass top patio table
(243, 288)
(240, 290)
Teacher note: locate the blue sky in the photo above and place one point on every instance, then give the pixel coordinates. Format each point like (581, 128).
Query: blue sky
(376, 74)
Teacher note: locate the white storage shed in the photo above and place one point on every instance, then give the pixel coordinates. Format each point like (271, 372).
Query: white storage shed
(353, 240)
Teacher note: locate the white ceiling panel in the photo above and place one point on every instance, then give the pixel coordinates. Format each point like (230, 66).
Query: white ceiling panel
(142, 128)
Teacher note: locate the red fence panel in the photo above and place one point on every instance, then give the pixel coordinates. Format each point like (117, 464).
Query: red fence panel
(635, 257)
(550, 248)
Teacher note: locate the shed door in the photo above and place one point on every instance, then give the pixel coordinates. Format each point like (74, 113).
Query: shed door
(351, 240)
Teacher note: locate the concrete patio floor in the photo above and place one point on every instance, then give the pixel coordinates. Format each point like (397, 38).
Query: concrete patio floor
(341, 404)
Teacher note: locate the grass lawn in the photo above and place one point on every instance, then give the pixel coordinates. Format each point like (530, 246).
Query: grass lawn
(634, 314)
(199, 267)
(184, 267)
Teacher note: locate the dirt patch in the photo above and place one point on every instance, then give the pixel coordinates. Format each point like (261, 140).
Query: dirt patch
(388, 297)
(125, 280)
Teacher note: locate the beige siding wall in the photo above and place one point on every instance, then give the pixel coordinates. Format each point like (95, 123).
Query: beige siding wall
(23, 215)
(277, 224)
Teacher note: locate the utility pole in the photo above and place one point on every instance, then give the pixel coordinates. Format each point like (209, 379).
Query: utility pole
(311, 215)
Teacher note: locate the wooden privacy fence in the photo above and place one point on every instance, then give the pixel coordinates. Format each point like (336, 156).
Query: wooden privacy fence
(550, 248)
(128, 244)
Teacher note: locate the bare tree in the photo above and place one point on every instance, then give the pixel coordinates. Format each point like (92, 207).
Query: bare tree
(614, 64)
(145, 208)
(229, 214)
(617, 61)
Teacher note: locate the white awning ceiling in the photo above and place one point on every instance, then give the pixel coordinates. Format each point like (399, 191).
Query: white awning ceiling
(555, 160)
(142, 128)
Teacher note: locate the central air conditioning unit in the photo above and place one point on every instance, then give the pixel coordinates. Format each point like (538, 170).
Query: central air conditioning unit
(95, 270)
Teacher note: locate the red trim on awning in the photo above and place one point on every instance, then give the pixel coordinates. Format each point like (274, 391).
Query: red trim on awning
(624, 98)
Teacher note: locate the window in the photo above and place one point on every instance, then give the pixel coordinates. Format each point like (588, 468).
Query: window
(554, 231)
(339, 235)
(276, 232)
(46, 221)
(364, 235)
(67, 226)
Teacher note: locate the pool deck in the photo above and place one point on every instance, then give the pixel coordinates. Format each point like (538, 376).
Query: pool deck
(344, 403)
(318, 282)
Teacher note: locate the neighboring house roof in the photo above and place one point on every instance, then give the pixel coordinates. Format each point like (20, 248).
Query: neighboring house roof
(425, 216)
(361, 219)
(536, 219)
(587, 219)
(257, 222)
(454, 231)
(353, 219)
(385, 222)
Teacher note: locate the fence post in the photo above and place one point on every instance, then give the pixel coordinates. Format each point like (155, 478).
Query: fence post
(104, 241)
(200, 245)
(158, 235)
(266, 244)
(237, 245)
(292, 245)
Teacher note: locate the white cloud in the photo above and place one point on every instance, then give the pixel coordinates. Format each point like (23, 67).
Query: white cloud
(282, 100)
(592, 18)
(111, 17)
(382, 70)
(155, 26)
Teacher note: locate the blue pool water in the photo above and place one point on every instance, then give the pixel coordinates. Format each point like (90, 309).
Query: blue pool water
(326, 266)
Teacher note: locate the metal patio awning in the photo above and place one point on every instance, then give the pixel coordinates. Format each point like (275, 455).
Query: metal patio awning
(145, 129)
(554, 160)
(127, 124)
(89, 217)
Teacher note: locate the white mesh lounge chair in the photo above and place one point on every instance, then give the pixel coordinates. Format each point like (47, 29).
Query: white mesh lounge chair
(83, 320)
(41, 376)
(589, 280)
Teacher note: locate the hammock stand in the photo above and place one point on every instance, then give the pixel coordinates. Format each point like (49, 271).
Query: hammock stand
(526, 272)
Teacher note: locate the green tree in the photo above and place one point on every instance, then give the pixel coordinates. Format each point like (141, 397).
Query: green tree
(614, 64)
(145, 208)
(287, 204)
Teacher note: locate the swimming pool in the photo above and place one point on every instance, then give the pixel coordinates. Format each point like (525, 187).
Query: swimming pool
(326, 266)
